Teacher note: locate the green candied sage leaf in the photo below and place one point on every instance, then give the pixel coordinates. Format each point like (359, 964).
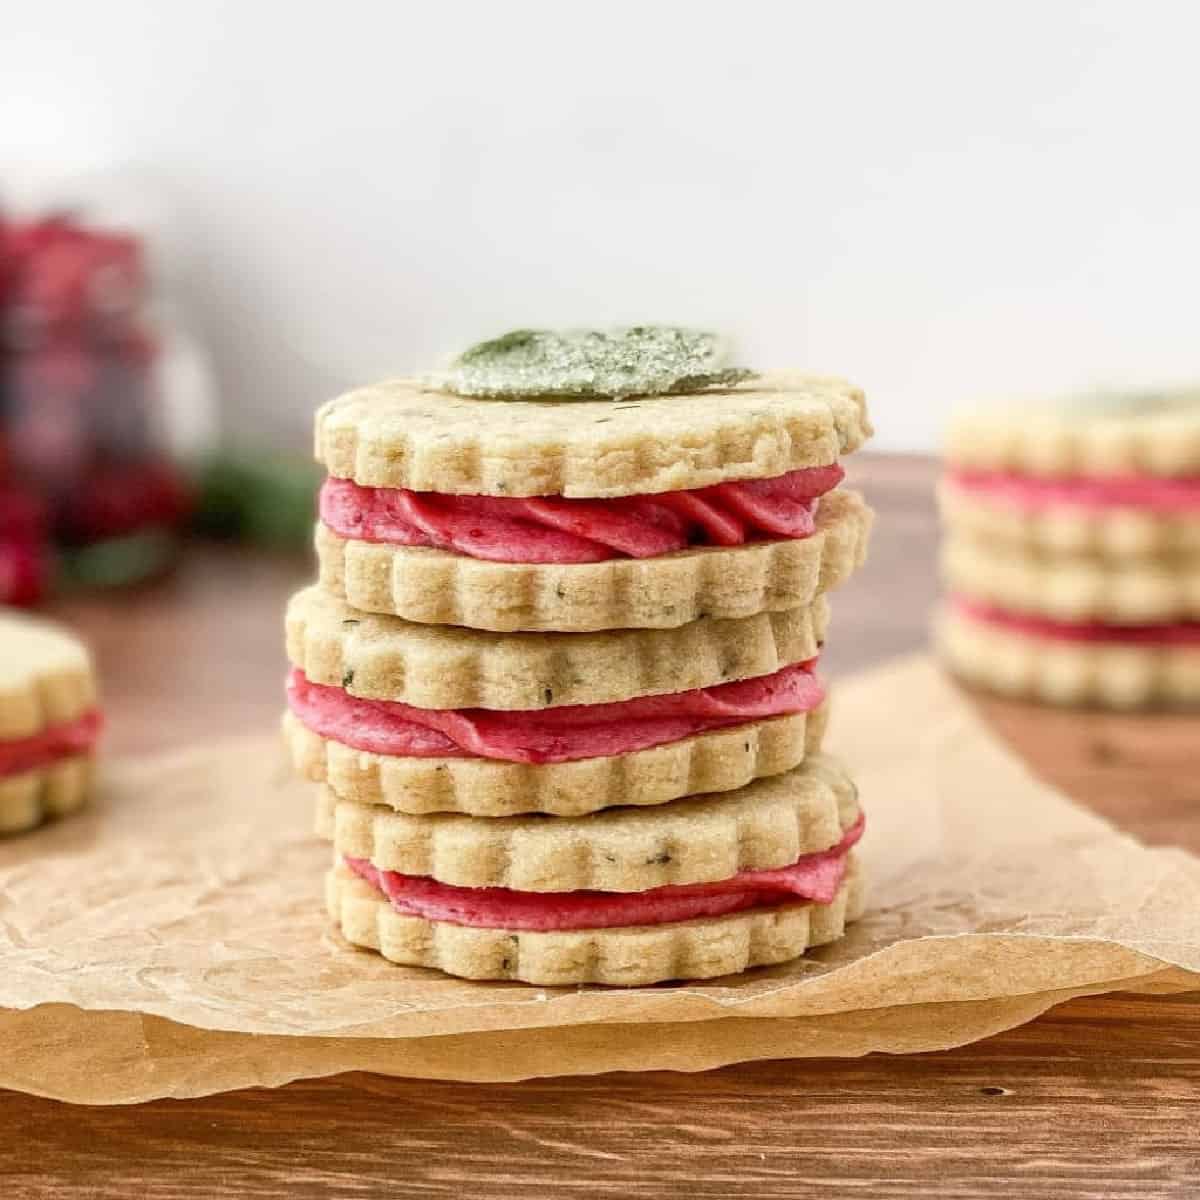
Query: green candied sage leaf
(586, 364)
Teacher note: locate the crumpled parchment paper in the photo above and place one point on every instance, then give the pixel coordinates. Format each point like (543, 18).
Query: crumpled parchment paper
(172, 941)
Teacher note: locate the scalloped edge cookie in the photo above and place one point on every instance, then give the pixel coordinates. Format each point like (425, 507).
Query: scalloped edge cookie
(29, 799)
(1106, 675)
(632, 956)
(718, 761)
(46, 676)
(433, 666)
(441, 588)
(1073, 589)
(1113, 533)
(402, 434)
(767, 824)
(1055, 439)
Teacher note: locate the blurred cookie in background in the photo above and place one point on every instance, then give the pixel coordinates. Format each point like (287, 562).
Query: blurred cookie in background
(1072, 550)
(49, 722)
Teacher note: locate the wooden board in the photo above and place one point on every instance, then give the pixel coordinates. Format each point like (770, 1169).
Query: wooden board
(1099, 1098)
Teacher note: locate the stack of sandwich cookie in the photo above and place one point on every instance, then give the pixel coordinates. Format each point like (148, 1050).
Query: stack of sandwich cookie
(558, 677)
(49, 722)
(1073, 551)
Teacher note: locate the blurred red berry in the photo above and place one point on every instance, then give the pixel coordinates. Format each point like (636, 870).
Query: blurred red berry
(110, 502)
(24, 572)
(23, 516)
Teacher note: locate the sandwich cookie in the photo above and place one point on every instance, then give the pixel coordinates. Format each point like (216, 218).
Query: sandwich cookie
(560, 513)
(425, 719)
(1110, 476)
(693, 889)
(49, 722)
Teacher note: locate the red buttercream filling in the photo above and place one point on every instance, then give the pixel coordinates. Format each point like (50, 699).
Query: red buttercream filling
(813, 877)
(1175, 633)
(51, 744)
(1030, 494)
(549, 735)
(555, 529)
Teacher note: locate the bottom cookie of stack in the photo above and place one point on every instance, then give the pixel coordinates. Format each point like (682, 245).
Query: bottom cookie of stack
(1063, 662)
(693, 889)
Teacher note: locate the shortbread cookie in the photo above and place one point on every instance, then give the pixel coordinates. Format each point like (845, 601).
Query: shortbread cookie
(1055, 520)
(429, 585)
(386, 658)
(1118, 436)
(717, 761)
(634, 956)
(767, 824)
(1059, 664)
(403, 434)
(1073, 588)
(49, 722)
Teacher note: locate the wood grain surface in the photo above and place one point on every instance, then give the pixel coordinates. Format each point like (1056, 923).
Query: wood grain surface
(1100, 1098)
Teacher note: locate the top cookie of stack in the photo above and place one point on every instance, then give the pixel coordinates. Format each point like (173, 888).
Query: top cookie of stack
(584, 515)
(1073, 552)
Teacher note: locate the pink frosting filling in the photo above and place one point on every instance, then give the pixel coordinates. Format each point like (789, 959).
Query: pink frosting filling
(549, 735)
(1176, 633)
(554, 529)
(1030, 494)
(812, 877)
(50, 744)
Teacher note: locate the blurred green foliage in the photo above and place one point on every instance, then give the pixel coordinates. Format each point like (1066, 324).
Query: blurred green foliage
(266, 500)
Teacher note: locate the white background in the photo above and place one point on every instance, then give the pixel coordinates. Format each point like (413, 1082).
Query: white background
(943, 200)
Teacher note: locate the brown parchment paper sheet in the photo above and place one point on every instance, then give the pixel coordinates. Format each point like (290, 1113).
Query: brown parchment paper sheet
(172, 942)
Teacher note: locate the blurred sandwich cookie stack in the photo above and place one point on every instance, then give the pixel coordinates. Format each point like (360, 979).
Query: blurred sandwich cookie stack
(557, 679)
(1072, 551)
(49, 722)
